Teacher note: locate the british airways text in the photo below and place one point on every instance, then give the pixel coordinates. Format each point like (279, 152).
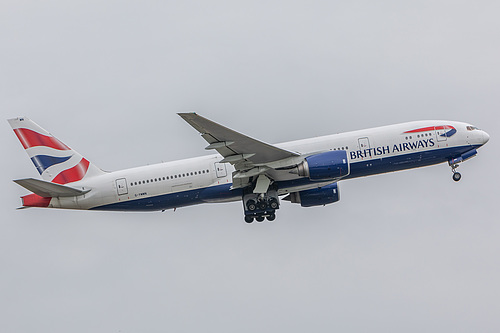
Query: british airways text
(383, 150)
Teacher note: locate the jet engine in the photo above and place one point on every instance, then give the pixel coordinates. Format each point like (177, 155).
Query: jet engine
(316, 197)
(329, 165)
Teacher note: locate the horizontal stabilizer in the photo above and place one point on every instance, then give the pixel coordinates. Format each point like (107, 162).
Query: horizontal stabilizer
(48, 189)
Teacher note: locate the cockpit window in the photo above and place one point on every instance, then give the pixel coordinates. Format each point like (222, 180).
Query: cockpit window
(472, 128)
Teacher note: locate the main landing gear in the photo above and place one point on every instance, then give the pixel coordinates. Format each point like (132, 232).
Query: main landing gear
(260, 218)
(260, 206)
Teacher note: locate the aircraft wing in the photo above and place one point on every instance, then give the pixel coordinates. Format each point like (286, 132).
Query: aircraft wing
(252, 159)
(233, 146)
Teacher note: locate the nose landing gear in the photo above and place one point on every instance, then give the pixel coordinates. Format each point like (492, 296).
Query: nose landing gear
(456, 175)
(454, 162)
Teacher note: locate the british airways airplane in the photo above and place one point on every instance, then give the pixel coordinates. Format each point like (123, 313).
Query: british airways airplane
(306, 172)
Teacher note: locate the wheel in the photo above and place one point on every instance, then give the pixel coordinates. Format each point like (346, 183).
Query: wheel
(273, 204)
(457, 176)
(260, 218)
(251, 206)
(262, 205)
(248, 219)
(271, 217)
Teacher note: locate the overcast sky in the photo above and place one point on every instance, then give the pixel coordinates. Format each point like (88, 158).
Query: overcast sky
(405, 252)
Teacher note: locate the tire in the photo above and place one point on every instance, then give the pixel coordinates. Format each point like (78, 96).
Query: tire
(271, 217)
(273, 204)
(248, 219)
(457, 176)
(260, 218)
(262, 205)
(251, 206)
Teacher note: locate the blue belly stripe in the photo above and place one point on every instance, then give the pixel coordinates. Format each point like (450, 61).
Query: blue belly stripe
(221, 192)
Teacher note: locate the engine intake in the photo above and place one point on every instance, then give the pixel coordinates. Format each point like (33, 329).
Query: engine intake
(329, 165)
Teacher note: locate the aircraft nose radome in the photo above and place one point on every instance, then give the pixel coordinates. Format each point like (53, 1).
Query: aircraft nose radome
(486, 137)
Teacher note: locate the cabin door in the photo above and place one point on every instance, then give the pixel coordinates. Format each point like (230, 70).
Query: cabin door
(121, 186)
(364, 143)
(441, 133)
(220, 170)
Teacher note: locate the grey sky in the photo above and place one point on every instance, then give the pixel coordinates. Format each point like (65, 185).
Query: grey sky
(410, 251)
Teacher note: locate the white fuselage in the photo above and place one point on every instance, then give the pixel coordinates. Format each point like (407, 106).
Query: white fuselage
(203, 179)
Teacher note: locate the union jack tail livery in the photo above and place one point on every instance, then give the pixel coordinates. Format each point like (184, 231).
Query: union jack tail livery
(55, 161)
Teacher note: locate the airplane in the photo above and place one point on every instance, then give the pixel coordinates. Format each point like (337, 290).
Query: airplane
(306, 172)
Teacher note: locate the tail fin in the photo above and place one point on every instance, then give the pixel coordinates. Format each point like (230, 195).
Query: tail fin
(55, 161)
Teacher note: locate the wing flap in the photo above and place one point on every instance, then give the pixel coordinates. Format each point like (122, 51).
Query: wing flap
(48, 189)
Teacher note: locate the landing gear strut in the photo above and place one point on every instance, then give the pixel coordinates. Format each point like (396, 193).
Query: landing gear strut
(456, 175)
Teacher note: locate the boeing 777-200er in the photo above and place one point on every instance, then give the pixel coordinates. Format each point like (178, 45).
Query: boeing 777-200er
(306, 171)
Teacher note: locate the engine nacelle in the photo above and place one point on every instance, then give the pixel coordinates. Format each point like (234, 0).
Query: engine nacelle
(316, 197)
(329, 165)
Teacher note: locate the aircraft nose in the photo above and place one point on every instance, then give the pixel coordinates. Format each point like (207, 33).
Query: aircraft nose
(486, 137)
